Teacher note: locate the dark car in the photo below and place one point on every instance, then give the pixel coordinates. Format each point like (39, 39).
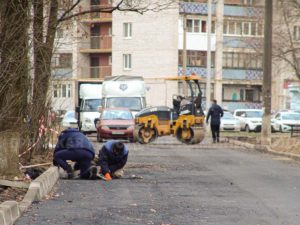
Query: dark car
(115, 123)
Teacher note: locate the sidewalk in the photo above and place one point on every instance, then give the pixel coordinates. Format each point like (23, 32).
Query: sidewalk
(10, 211)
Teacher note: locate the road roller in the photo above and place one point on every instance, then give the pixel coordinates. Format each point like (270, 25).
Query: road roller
(185, 122)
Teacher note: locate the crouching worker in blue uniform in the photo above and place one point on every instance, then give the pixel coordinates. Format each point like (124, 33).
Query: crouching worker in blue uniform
(112, 158)
(74, 145)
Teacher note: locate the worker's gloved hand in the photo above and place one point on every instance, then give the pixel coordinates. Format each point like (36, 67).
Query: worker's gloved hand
(107, 176)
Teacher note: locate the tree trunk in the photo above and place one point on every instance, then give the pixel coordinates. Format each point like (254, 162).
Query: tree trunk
(14, 79)
(9, 145)
(14, 63)
(43, 48)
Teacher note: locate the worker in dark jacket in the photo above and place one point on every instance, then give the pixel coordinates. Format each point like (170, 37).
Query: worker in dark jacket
(73, 145)
(112, 158)
(215, 112)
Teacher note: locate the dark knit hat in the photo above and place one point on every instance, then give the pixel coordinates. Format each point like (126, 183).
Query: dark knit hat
(118, 147)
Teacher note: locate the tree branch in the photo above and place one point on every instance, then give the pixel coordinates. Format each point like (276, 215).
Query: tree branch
(138, 8)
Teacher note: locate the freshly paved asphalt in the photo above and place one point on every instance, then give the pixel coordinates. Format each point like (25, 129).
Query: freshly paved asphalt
(210, 184)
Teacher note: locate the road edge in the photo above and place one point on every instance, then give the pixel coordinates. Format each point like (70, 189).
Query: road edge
(264, 148)
(10, 211)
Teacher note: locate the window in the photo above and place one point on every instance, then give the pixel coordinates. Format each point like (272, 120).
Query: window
(253, 28)
(246, 28)
(247, 2)
(63, 60)
(242, 94)
(203, 26)
(62, 90)
(242, 28)
(196, 58)
(297, 33)
(239, 28)
(127, 30)
(68, 90)
(242, 60)
(250, 95)
(56, 93)
(127, 61)
(189, 25)
(110, 60)
(231, 27)
(198, 26)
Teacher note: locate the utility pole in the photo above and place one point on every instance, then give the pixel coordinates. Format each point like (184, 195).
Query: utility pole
(267, 79)
(184, 84)
(208, 65)
(218, 87)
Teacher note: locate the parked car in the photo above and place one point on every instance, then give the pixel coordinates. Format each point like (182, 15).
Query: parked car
(229, 123)
(115, 123)
(250, 119)
(69, 120)
(283, 121)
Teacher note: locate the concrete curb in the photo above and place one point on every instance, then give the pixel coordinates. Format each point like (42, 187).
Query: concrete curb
(264, 148)
(10, 211)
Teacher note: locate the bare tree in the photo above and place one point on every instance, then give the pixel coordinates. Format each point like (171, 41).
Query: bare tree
(17, 101)
(285, 48)
(14, 79)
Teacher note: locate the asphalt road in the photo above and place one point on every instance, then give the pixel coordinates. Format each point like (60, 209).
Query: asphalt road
(207, 184)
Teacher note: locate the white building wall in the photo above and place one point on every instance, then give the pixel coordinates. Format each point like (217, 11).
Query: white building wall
(64, 44)
(153, 48)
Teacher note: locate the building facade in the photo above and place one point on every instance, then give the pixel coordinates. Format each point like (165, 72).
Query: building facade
(147, 45)
(152, 45)
(239, 71)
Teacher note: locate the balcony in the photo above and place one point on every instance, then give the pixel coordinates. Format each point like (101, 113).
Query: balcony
(97, 44)
(99, 72)
(96, 17)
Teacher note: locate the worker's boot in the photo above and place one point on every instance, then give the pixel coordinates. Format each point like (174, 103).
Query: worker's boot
(70, 172)
(93, 172)
(118, 173)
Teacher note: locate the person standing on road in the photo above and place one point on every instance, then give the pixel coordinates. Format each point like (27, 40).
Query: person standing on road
(74, 145)
(215, 112)
(112, 158)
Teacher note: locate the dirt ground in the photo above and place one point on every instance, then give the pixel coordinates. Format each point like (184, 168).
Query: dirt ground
(12, 194)
(17, 194)
(281, 142)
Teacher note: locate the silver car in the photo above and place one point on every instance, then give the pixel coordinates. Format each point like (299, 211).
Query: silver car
(69, 120)
(283, 121)
(229, 123)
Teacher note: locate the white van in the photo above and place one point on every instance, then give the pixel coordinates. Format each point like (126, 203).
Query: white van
(124, 92)
(250, 119)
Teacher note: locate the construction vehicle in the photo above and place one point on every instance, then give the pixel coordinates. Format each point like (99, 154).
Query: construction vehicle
(187, 124)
